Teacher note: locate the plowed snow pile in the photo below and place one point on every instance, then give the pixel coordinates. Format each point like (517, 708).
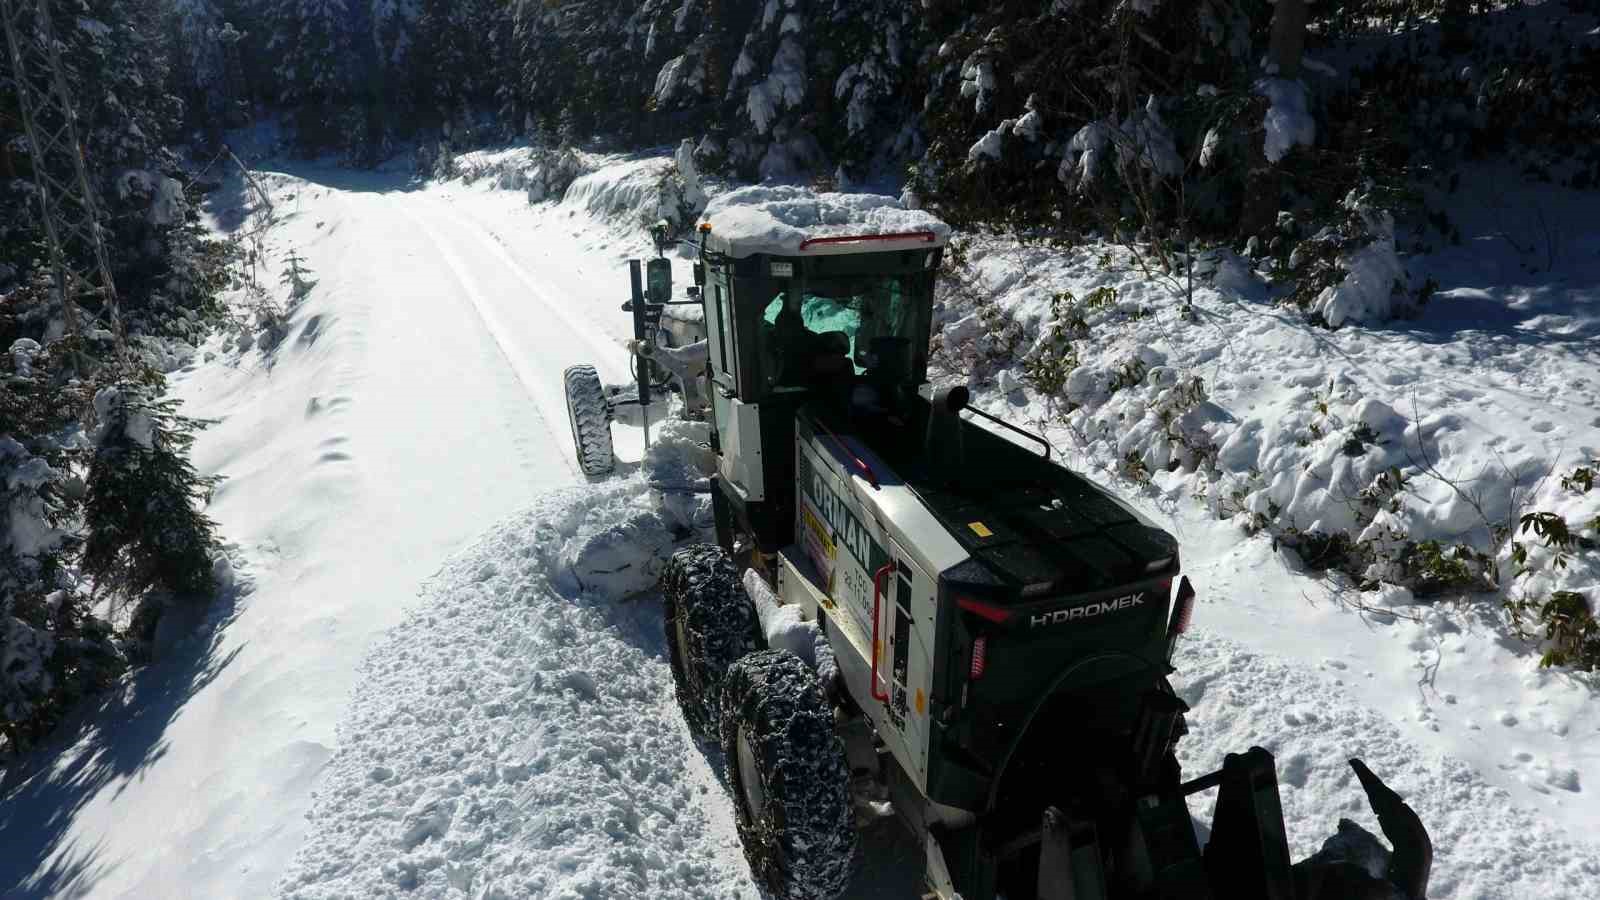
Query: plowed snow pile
(517, 736)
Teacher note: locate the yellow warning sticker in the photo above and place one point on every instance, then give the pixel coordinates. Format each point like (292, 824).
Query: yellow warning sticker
(980, 529)
(819, 546)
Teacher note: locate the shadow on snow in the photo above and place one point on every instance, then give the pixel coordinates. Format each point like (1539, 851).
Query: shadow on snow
(101, 746)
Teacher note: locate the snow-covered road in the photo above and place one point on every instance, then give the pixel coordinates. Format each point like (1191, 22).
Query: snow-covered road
(415, 398)
(512, 733)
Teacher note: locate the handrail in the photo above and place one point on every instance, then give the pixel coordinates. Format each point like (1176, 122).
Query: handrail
(1004, 424)
(877, 599)
(866, 470)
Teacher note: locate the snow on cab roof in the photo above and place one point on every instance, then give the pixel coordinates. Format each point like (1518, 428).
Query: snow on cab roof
(788, 221)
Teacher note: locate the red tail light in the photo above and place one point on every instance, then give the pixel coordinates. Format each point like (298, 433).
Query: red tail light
(997, 614)
(980, 654)
(1182, 608)
(1182, 613)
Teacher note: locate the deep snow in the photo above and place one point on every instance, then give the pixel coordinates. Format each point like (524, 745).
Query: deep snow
(1483, 401)
(511, 732)
(517, 736)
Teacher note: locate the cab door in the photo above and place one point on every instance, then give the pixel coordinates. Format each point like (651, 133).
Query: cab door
(738, 423)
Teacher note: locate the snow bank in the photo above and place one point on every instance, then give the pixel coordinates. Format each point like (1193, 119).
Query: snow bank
(1437, 429)
(545, 174)
(517, 735)
(1286, 424)
(642, 190)
(777, 218)
(627, 191)
(1307, 720)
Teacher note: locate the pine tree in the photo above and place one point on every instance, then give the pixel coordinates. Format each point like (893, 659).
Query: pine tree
(318, 67)
(394, 34)
(147, 539)
(253, 70)
(452, 68)
(119, 72)
(194, 32)
(55, 649)
(116, 55)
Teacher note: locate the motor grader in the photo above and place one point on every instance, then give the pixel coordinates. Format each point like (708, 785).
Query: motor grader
(991, 633)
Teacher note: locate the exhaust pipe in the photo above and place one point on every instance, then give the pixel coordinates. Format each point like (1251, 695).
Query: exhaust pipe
(945, 448)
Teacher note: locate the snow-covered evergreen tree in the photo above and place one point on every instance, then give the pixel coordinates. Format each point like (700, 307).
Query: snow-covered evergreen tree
(453, 62)
(199, 64)
(394, 26)
(119, 68)
(52, 649)
(252, 72)
(147, 538)
(315, 43)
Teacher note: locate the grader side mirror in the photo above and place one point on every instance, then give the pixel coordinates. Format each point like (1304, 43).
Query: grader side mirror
(658, 278)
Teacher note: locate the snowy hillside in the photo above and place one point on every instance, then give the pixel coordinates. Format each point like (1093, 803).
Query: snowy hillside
(1335, 448)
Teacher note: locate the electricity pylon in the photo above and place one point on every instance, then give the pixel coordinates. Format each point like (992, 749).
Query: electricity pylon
(68, 209)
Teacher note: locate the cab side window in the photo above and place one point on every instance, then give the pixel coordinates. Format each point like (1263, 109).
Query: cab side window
(722, 352)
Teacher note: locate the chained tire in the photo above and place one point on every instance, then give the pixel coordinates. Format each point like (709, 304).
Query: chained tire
(710, 623)
(790, 780)
(591, 424)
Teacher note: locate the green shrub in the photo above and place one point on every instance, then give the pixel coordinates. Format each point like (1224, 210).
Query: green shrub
(1050, 362)
(145, 531)
(1571, 632)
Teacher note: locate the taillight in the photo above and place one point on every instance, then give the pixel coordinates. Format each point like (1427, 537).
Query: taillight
(988, 612)
(1182, 614)
(980, 654)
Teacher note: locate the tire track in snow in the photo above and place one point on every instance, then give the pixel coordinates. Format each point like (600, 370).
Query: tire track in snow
(550, 405)
(604, 350)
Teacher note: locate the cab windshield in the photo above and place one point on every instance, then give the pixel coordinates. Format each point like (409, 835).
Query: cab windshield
(822, 327)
